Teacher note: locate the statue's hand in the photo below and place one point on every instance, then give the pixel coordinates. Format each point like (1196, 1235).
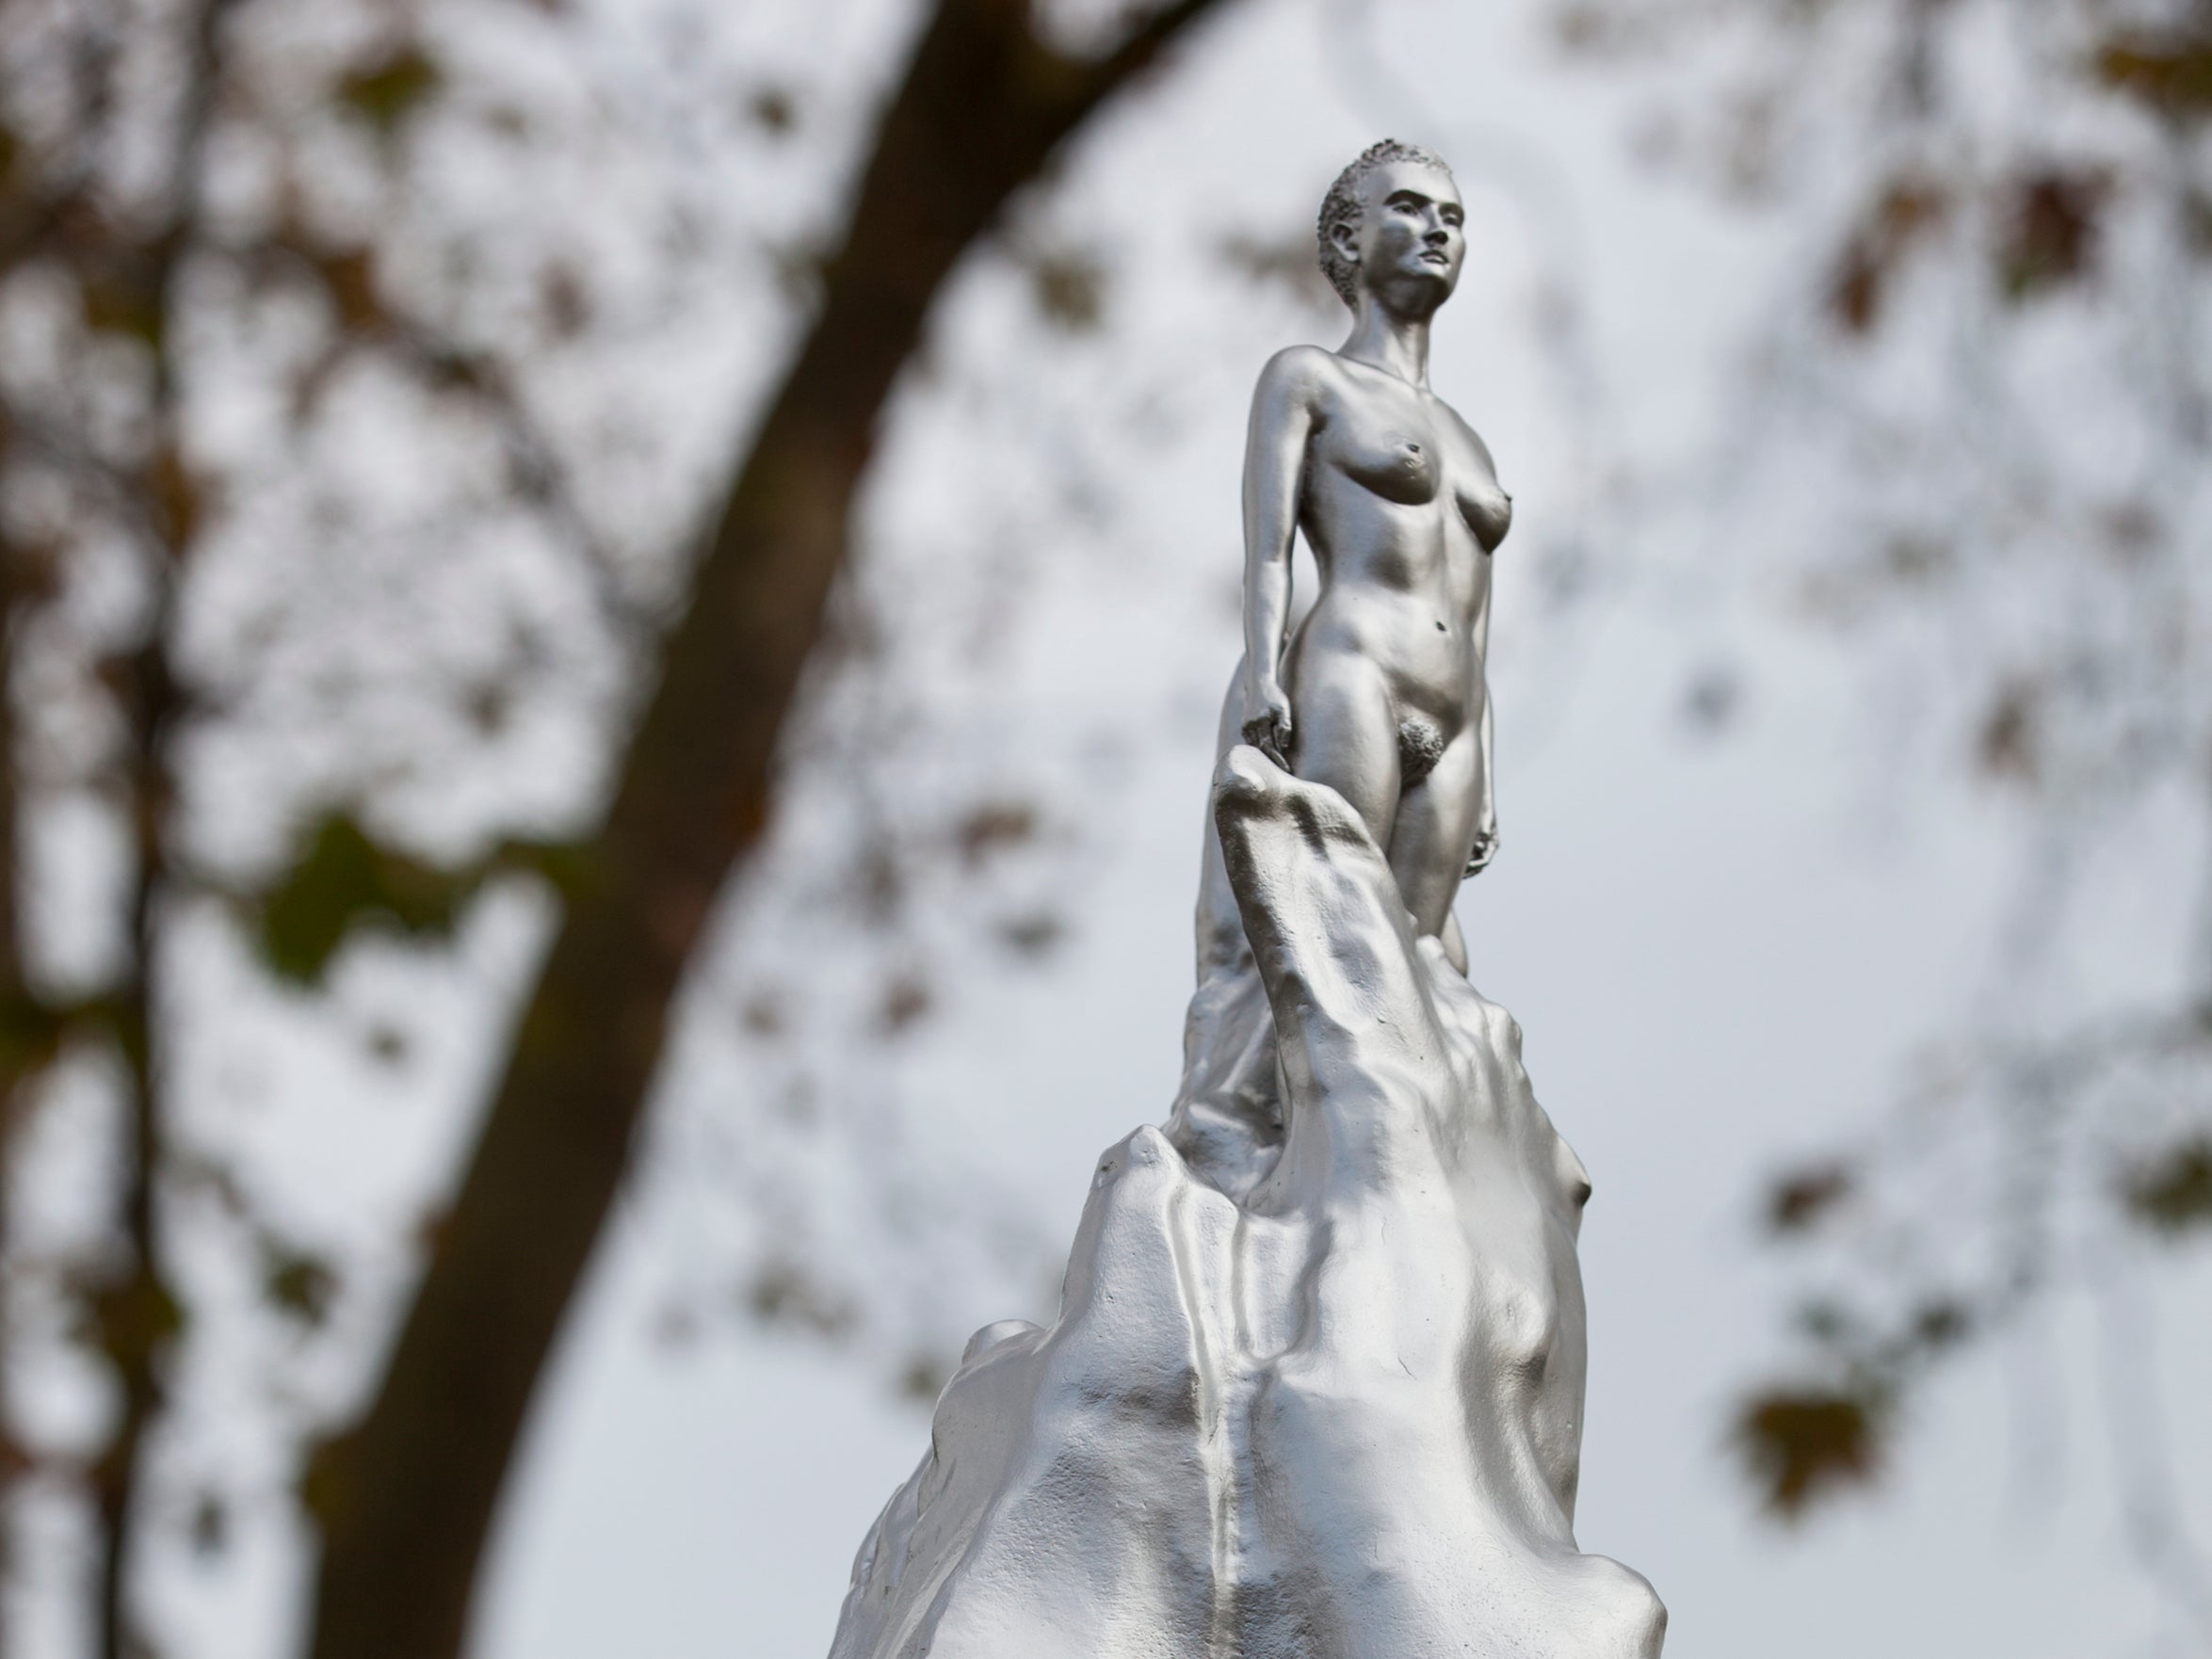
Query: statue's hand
(1269, 730)
(1486, 844)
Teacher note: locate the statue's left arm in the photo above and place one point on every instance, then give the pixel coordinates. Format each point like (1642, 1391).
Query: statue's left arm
(1485, 846)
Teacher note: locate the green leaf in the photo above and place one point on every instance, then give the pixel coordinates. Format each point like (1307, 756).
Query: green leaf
(1803, 1446)
(386, 95)
(342, 881)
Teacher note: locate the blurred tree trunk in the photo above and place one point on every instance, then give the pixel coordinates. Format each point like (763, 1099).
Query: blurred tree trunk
(407, 1498)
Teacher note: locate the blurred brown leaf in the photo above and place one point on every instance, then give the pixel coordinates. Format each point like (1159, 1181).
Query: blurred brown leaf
(924, 1378)
(118, 300)
(2171, 72)
(2171, 1194)
(133, 1316)
(783, 1293)
(565, 302)
(387, 94)
(1803, 1446)
(906, 999)
(773, 110)
(179, 500)
(2006, 747)
(1906, 210)
(1069, 288)
(2047, 229)
(993, 827)
(1288, 260)
(350, 277)
(210, 1527)
(30, 1033)
(1032, 935)
(297, 1282)
(1797, 1203)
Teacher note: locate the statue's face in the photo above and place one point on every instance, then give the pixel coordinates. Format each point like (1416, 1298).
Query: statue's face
(1412, 237)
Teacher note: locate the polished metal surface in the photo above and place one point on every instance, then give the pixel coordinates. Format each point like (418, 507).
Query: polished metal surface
(1316, 1385)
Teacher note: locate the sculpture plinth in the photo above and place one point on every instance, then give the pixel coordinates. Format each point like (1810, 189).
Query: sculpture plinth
(1338, 1420)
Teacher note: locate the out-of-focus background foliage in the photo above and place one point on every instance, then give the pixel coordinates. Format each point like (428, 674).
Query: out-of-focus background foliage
(612, 614)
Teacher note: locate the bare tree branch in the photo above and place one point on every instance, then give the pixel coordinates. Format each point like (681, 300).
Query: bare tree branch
(15, 1060)
(137, 1315)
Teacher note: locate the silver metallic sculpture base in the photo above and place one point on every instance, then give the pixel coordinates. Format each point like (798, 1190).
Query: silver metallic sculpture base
(1314, 1393)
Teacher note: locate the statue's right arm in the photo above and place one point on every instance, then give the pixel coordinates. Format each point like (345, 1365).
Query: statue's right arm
(1284, 412)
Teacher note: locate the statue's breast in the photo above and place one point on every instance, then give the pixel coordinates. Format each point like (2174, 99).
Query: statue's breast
(1486, 508)
(1398, 463)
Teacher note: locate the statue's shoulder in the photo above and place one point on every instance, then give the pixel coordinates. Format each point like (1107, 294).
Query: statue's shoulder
(1300, 370)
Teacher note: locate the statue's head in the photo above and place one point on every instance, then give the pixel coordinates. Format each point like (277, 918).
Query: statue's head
(1393, 222)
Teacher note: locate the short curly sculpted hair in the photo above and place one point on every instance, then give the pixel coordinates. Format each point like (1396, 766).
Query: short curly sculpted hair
(1341, 206)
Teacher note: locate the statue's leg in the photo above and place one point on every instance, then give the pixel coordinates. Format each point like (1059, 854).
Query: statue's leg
(1435, 830)
(1343, 734)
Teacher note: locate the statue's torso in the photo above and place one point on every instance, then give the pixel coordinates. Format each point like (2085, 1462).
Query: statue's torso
(1403, 508)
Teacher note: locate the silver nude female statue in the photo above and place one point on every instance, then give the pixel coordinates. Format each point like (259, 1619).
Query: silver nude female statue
(1380, 693)
(1314, 1387)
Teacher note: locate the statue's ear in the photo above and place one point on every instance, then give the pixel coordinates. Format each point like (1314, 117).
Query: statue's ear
(1345, 237)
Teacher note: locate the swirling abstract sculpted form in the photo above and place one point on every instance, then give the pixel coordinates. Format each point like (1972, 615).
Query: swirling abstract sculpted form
(1340, 1419)
(1315, 1387)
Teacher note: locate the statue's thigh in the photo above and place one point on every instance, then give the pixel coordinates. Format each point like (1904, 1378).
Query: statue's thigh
(1434, 832)
(1343, 734)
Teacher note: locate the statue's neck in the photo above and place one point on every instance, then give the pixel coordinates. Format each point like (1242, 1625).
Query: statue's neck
(1395, 344)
